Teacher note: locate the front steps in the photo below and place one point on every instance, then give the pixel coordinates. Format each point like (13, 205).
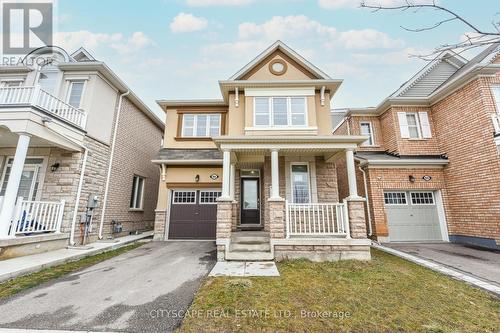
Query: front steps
(250, 246)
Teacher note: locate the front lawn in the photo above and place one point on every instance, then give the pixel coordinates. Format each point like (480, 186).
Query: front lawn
(387, 294)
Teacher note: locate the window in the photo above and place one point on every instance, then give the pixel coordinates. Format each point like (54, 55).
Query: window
(137, 193)
(201, 125)
(184, 197)
(395, 198)
(280, 111)
(209, 197)
(30, 178)
(48, 81)
(300, 183)
(422, 198)
(496, 95)
(13, 83)
(366, 129)
(414, 125)
(75, 93)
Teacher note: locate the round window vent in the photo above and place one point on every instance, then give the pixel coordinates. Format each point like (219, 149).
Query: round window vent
(277, 67)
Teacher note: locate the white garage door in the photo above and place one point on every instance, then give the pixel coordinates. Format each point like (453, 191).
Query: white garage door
(412, 216)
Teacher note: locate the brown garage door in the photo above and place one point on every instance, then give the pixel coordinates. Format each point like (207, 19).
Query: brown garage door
(193, 214)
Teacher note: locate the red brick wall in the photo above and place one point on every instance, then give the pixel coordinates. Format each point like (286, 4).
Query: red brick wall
(355, 121)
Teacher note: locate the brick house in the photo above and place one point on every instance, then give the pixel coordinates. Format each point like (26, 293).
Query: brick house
(73, 153)
(429, 168)
(255, 170)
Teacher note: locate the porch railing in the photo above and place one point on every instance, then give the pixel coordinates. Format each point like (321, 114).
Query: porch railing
(316, 219)
(31, 217)
(34, 95)
(496, 123)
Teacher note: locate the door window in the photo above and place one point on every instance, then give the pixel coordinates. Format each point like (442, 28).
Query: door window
(300, 183)
(250, 195)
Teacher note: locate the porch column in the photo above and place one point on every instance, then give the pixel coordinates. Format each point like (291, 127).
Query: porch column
(275, 177)
(351, 174)
(9, 200)
(226, 175)
(231, 185)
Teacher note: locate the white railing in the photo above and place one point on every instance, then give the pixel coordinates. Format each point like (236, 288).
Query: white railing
(316, 219)
(44, 100)
(496, 122)
(32, 217)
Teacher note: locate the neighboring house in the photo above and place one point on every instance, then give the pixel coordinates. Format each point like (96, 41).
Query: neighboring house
(73, 140)
(432, 159)
(254, 171)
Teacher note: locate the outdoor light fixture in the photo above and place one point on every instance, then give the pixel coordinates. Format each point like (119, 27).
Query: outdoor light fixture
(197, 178)
(54, 167)
(411, 179)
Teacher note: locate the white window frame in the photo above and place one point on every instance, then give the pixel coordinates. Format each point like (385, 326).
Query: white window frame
(135, 192)
(208, 191)
(57, 85)
(70, 87)
(495, 93)
(397, 204)
(195, 124)
(39, 169)
(423, 204)
(288, 112)
(4, 83)
(308, 180)
(371, 140)
(417, 120)
(184, 203)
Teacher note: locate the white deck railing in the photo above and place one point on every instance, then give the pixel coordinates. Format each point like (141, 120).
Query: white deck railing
(496, 122)
(316, 219)
(40, 98)
(37, 217)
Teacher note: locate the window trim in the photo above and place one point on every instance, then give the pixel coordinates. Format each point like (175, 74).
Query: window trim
(185, 203)
(180, 124)
(289, 124)
(397, 204)
(134, 193)
(210, 190)
(57, 85)
(308, 180)
(495, 101)
(423, 204)
(372, 136)
(419, 128)
(68, 92)
(40, 171)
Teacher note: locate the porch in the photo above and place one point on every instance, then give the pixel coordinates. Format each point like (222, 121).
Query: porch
(287, 189)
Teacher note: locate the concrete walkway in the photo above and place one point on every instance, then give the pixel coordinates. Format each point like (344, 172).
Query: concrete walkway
(146, 289)
(245, 268)
(11, 268)
(441, 267)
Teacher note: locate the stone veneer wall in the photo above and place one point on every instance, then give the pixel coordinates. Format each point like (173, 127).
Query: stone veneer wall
(266, 188)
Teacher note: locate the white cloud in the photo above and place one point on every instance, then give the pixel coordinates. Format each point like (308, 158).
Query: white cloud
(185, 22)
(136, 42)
(204, 3)
(335, 4)
(366, 39)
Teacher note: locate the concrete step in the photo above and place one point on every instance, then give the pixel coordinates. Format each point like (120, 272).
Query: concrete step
(249, 247)
(250, 237)
(249, 256)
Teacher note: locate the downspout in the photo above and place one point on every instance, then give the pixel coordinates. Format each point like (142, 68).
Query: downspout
(104, 201)
(78, 194)
(370, 231)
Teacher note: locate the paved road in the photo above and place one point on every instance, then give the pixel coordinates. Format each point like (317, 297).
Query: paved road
(131, 292)
(483, 264)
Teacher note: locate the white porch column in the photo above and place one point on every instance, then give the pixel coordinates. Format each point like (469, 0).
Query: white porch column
(226, 175)
(351, 174)
(9, 200)
(233, 177)
(275, 176)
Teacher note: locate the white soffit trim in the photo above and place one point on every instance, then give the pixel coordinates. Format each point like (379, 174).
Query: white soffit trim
(292, 91)
(188, 162)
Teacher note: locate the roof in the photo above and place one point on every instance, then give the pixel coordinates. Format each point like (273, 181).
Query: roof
(384, 158)
(187, 155)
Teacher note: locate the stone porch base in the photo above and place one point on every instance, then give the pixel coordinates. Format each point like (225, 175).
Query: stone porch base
(27, 245)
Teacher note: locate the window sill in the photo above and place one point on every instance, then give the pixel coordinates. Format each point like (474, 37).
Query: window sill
(281, 128)
(369, 146)
(419, 139)
(139, 210)
(193, 138)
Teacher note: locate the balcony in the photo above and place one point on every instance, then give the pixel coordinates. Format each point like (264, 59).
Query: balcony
(36, 97)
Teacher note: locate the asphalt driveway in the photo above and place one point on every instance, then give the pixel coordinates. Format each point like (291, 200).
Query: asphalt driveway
(143, 290)
(483, 264)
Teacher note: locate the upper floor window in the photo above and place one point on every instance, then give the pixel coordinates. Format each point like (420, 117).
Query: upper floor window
(366, 129)
(48, 81)
(201, 125)
(496, 95)
(75, 93)
(280, 111)
(13, 83)
(414, 125)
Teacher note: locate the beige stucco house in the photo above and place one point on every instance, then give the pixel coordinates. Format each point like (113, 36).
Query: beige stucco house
(74, 159)
(255, 170)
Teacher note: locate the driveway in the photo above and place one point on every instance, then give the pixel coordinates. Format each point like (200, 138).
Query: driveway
(139, 291)
(483, 264)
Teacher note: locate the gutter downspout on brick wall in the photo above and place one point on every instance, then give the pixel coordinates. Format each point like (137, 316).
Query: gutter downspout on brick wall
(104, 201)
(370, 232)
(77, 201)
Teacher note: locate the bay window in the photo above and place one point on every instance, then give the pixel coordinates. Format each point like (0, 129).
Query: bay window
(280, 111)
(201, 125)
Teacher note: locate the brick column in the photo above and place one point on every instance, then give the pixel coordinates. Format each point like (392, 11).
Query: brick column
(277, 218)
(357, 220)
(160, 221)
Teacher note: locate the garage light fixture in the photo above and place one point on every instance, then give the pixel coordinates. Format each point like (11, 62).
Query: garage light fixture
(197, 178)
(411, 179)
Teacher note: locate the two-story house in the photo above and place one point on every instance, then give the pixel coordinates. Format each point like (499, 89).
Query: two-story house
(75, 146)
(429, 168)
(255, 170)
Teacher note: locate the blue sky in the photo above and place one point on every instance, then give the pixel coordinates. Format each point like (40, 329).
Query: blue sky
(179, 49)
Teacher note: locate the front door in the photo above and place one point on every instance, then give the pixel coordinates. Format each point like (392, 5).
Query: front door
(250, 203)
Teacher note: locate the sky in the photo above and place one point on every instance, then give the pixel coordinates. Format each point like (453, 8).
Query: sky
(179, 49)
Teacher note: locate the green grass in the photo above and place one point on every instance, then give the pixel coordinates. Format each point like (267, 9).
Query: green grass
(13, 286)
(386, 294)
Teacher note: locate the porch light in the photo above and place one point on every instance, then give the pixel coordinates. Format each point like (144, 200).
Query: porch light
(54, 167)
(197, 178)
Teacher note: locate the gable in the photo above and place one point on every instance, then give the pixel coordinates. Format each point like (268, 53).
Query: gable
(292, 69)
(429, 82)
